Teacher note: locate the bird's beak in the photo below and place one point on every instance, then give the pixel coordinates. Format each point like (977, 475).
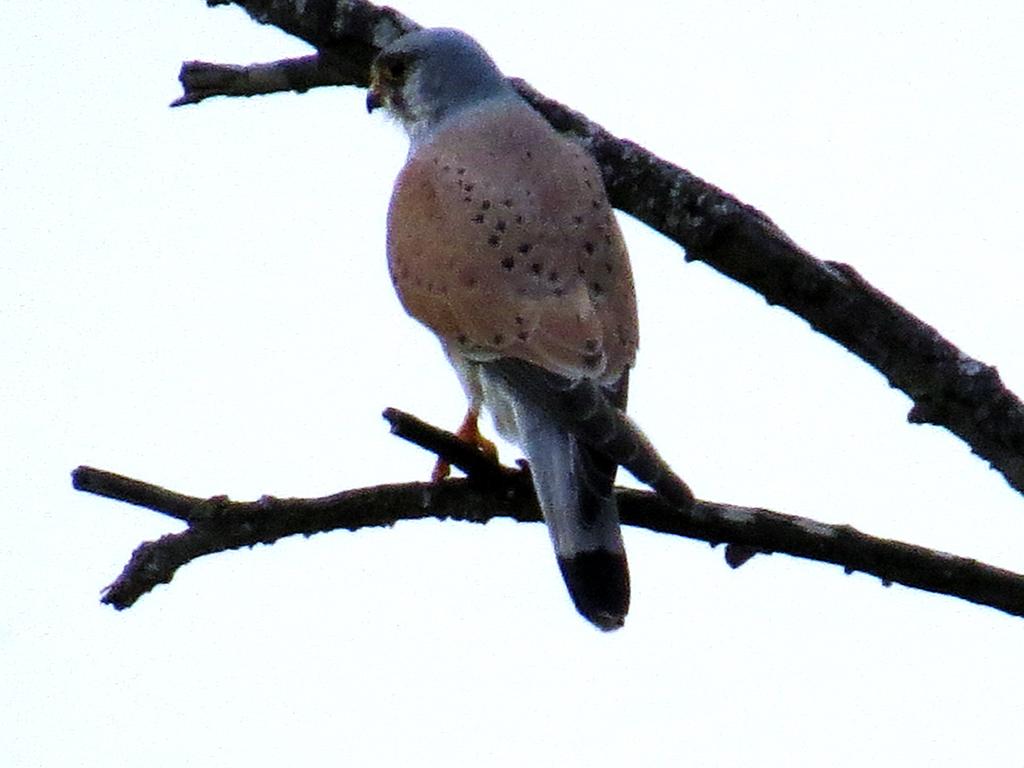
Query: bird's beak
(374, 98)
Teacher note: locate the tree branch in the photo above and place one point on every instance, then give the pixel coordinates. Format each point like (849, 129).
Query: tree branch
(948, 388)
(201, 80)
(491, 490)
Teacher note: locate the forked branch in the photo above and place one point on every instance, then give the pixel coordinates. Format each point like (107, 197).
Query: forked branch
(491, 490)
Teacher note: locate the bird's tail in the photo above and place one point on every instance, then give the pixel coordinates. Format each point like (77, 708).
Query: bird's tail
(574, 490)
(596, 417)
(575, 434)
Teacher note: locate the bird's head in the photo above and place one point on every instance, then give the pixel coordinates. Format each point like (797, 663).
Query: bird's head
(426, 76)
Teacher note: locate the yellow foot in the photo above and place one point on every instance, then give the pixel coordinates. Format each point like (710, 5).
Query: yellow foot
(468, 432)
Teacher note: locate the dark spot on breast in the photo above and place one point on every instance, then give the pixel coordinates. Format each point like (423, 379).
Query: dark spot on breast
(559, 292)
(581, 270)
(468, 187)
(519, 219)
(508, 263)
(461, 171)
(478, 218)
(595, 204)
(520, 320)
(494, 241)
(500, 225)
(608, 267)
(485, 204)
(536, 267)
(524, 248)
(461, 338)
(529, 155)
(577, 220)
(467, 199)
(587, 184)
(499, 339)
(507, 202)
(589, 248)
(596, 288)
(446, 167)
(523, 335)
(590, 345)
(591, 361)
(553, 276)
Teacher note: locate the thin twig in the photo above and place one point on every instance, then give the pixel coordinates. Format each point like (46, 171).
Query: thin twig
(201, 79)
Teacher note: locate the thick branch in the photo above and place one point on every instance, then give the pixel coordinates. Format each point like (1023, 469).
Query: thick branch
(948, 388)
(491, 491)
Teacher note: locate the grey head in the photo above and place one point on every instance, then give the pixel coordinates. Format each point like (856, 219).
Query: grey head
(427, 76)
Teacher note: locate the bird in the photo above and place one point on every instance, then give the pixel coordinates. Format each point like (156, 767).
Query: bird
(502, 241)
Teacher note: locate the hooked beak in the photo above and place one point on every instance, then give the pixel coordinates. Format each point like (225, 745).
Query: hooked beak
(374, 99)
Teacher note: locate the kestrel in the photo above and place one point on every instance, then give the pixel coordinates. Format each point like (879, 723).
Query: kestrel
(501, 240)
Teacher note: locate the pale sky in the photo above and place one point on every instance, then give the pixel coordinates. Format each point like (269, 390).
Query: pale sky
(198, 297)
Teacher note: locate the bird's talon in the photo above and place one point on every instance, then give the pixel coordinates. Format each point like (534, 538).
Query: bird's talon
(469, 433)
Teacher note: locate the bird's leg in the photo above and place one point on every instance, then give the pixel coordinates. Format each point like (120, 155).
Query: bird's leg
(468, 432)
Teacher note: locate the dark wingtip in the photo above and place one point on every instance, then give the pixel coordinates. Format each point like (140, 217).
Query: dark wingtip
(598, 583)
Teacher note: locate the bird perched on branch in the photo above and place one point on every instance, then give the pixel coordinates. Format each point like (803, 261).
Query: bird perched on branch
(502, 241)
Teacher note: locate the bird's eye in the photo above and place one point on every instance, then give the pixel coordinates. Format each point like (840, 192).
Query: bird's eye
(396, 69)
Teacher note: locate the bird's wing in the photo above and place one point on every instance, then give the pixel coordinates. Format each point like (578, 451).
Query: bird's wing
(501, 240)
